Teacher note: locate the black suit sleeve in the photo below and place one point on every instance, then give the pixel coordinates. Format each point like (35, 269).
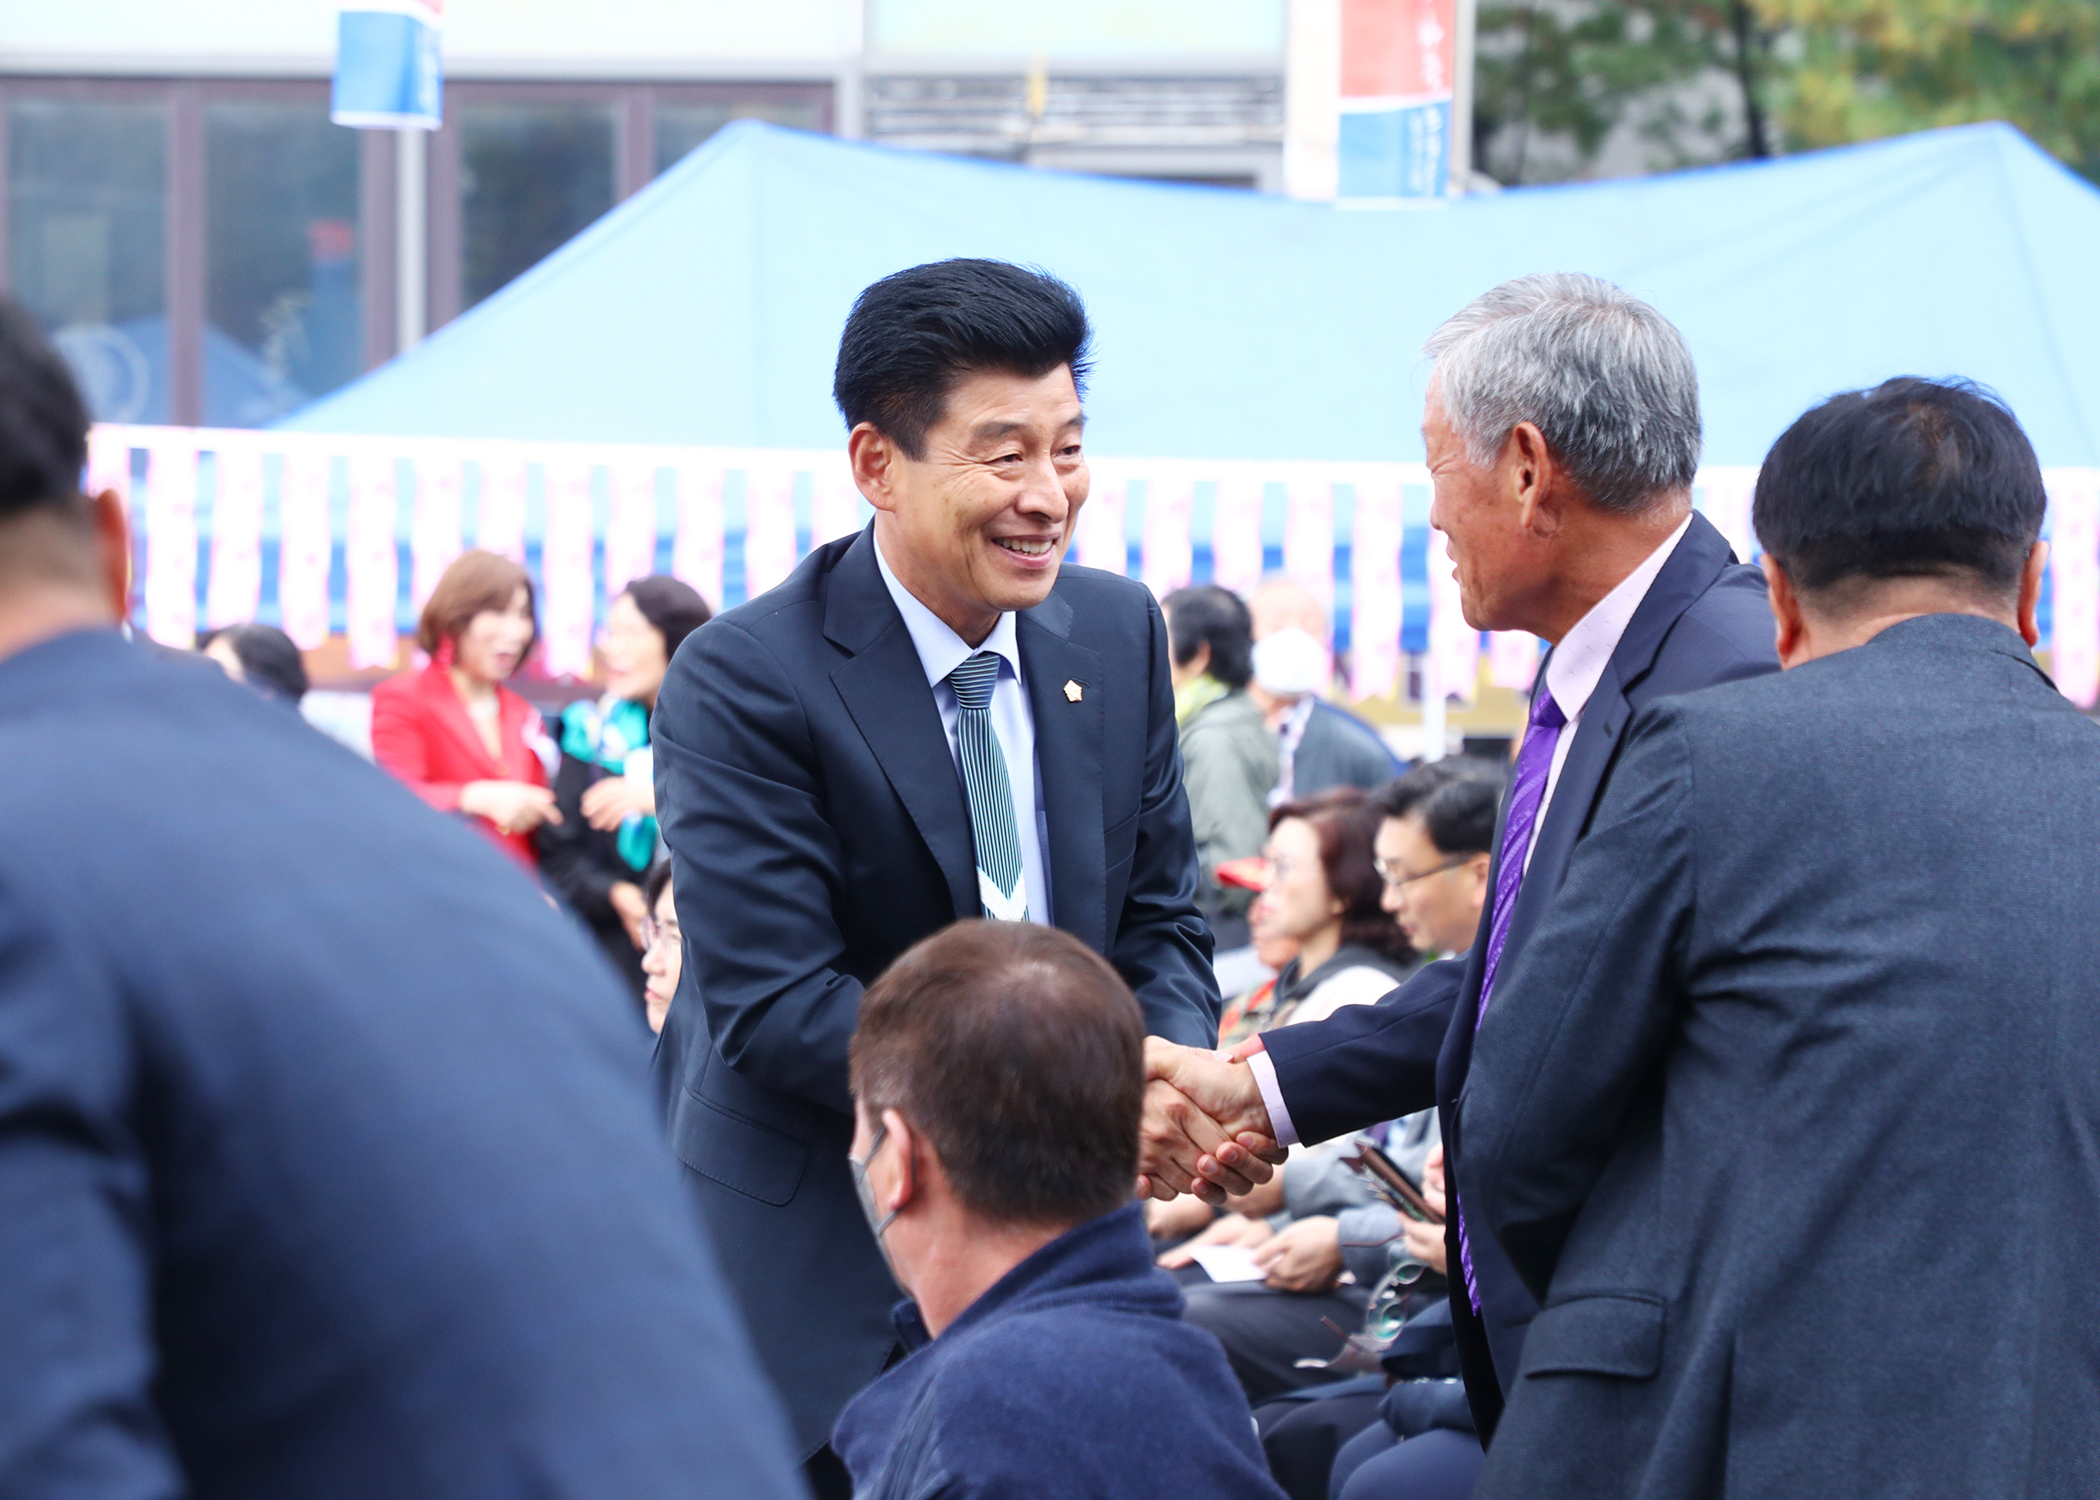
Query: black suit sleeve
(1160, 945)
(569, 850)
(1367, 1063)
(752, 862)
(76, 1300)
(1581, 1019)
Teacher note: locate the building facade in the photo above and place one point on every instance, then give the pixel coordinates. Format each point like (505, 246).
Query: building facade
(206, 247)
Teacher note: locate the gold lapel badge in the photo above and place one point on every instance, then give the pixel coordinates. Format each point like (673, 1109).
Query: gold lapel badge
(1073, 691)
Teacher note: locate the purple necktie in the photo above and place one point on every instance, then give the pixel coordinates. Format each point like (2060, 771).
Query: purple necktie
(1527, 789)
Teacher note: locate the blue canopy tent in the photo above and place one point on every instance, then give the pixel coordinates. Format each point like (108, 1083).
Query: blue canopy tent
(706, 309)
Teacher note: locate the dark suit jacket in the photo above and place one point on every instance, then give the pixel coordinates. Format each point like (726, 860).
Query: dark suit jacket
(1791, 1117)
(818, 827)
(1705, 620)
(326, 1162)
(1339, 749)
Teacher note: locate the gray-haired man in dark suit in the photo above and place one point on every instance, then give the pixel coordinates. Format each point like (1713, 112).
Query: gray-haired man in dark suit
(1789, 1113)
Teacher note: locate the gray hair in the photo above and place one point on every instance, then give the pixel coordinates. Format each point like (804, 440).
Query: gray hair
(1605, 377)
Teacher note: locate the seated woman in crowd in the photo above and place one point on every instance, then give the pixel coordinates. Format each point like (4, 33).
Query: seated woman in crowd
(452, 731)
(594, 856)
(663, 946)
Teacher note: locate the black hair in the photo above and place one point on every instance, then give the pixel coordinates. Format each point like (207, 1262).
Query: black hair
(1914, 478)
(655, 881)
(1209, 615)
(674, 608)
(269, 660)
(43, 421)
(1459, 814)
(911, 335)
(1397, 798)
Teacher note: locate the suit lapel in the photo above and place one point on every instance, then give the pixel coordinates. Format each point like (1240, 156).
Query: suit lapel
(884, 688)
(1068, 761)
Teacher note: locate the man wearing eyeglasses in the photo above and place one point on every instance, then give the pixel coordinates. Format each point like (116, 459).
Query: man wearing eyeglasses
(1434, 849)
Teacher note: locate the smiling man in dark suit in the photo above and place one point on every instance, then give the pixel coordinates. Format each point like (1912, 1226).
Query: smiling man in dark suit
(929, 721)
(1562, 425)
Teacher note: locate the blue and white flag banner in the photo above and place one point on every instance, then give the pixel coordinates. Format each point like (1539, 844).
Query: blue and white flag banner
(340, 535)
(389, 73)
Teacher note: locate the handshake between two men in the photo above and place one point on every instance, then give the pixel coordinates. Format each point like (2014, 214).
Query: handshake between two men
(1205, 1128)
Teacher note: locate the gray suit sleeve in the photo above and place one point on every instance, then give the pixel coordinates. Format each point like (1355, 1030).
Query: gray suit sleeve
(77, 1357)
(1580, 1022)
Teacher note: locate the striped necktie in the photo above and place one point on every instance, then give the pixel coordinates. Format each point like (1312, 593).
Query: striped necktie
(992, 823)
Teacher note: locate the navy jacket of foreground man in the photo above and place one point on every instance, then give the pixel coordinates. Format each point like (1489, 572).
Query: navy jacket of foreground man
(1795, 1106)
(326, 1170)
(818, 828)
(1703, 620)
(1073, 1378)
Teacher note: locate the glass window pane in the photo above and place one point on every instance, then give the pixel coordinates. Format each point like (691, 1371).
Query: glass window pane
(530, 177)
(284, 318)
(681, 127)
(87, 217)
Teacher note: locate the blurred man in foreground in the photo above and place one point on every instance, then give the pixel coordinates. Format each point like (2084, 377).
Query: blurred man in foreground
(1831, 937)
(325, 1170)
(997, 1076)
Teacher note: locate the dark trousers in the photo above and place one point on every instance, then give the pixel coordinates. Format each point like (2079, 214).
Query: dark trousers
(1435, 1465)
(1302, 1433)
(1266, 1332)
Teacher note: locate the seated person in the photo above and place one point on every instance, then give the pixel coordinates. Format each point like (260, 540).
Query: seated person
(1317, 1219)
(997, 1077)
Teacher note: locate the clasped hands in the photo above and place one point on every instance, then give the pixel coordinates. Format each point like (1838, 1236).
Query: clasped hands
(1205, 1129)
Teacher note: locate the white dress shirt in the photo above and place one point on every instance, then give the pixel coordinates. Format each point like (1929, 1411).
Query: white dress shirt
(1572, 674)
(941, 651)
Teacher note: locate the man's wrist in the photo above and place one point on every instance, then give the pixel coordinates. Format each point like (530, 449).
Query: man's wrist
(1263, 1068)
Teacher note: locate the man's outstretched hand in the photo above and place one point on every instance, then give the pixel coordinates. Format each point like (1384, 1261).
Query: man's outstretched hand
(1205, 1129)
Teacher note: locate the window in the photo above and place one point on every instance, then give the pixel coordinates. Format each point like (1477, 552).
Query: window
(87, 190)
(284, 307)
(521, 168)
(217, 251)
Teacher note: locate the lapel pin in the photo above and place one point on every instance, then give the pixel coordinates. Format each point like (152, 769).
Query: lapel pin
(1073, 691)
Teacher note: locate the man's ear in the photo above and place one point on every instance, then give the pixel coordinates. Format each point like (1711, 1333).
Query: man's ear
(1790, 637)
(113, 544)
(909, 1144)
(1531, 478)
(2031, 592)
(873, 455)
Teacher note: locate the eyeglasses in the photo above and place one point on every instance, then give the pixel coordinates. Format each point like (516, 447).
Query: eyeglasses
(654, 932)
(1398, 879)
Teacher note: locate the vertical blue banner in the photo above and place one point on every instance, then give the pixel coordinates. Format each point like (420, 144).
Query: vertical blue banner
(388, 71)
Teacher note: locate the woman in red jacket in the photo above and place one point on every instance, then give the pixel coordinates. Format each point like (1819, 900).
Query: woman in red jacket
(452, 731)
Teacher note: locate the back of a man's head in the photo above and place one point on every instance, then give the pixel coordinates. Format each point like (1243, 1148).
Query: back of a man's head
(43, 428)
(1207, 615)
(1019, 1054)
(1912, 479)
(912, 335)
(1607, 380)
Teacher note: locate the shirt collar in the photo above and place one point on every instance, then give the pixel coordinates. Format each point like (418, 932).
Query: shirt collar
(1579, 660)
(940, 649)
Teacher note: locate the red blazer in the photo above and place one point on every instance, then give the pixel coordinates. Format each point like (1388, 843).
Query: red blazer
(421, 732)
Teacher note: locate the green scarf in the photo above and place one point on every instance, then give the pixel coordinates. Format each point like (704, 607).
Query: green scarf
(1195, 695)
(604, 734)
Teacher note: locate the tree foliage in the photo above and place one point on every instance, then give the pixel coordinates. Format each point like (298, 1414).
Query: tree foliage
(1707, 80)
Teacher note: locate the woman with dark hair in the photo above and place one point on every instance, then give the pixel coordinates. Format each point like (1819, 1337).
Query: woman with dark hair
(261, 656)
(1324, 889)
(596, 856)
(453, 732)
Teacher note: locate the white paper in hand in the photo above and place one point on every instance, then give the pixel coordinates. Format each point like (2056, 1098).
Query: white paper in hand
(1224, 1263)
